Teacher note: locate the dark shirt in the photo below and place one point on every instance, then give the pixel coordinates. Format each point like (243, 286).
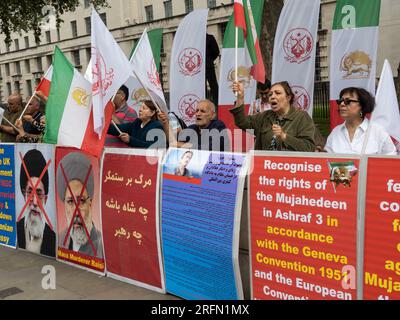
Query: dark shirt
(29, 127)
(137, 134)
(207, 144)
(12, 117)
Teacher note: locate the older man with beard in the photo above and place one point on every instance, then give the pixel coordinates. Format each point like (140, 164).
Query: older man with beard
(34, 234)
(76, 166)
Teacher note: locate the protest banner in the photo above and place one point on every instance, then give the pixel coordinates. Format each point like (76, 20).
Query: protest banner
(130, 217)
(200, 210)
(303, 226)
(8, 232)
(35, 198)
(79, 230)
(382, 230)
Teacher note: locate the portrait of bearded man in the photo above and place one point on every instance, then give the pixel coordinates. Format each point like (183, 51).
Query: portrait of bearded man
(33, 231)
(75, 168)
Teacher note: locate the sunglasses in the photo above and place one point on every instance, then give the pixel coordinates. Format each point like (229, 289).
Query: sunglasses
(345, 101)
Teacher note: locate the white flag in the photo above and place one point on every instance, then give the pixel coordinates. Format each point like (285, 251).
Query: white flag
(110, 69)
(143, 64)
(187, 70)
(386, 112)
(295, 49)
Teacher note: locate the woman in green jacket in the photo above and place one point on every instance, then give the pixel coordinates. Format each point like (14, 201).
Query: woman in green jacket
(283, 128)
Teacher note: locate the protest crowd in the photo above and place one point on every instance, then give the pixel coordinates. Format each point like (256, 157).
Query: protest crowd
(90, 116)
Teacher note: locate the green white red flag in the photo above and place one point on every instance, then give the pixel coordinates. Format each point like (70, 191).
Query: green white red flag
(45, 82)
(69, 116)
(354, 49)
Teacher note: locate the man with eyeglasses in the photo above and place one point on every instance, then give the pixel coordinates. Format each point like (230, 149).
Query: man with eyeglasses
(33, 232)
(75, 187)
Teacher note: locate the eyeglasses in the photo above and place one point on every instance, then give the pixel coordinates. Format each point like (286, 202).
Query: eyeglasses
(70, 201)
(345, 101)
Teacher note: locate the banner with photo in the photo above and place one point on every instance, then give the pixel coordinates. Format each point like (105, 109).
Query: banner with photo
(382, 229)
(8, 231)
(79, 230)
(35, 198)
(200, 210)
(130, 217)
(303, 227)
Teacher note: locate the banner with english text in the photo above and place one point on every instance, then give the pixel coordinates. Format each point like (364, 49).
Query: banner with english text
(8, 231)
(303, 227)
(79, 230)
(381, 278)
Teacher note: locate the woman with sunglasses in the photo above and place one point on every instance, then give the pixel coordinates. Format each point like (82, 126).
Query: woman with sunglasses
(283, 128)
(349, 137)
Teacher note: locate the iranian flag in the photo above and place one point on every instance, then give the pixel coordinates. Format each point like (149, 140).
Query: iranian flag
(228, 71)
(386, 112)
(45, 82)
(69, 116)
(243, 12)
(353, 49)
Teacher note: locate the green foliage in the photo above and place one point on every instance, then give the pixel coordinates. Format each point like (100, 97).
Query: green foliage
(28, 15)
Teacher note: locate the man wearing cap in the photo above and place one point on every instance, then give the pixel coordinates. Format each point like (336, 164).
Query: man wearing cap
(76, 167)
(33, 232)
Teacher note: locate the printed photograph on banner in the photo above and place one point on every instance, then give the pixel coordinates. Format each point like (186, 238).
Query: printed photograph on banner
(35, 198)
(8, 232)
(79, 228)
(185, 163)
(130, 218)
(342, 173)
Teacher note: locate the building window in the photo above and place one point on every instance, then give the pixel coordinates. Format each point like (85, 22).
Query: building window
(8, 47)
(87, 3)
(74, 29)
(17, 87)
(7, 66)
(26, 42)
(39, 64)
(188, 6)
(29, 87)
(27, 66)
(16, 42)
(103, 17)
(149, 13)
(58, 34)
(49, 59)
(17, 67)
(168, 8)
(88, 54)
(9, 88)
(48, 37)
(211, 3)
(88, 25)
(76, 58)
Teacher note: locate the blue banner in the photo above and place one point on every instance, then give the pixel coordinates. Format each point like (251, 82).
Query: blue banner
(200, 224)
(8, 232)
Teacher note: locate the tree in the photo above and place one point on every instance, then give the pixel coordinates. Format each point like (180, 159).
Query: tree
(29, 15)
(272, 10)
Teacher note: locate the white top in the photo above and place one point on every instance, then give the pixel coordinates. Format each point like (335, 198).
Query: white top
(379, 141)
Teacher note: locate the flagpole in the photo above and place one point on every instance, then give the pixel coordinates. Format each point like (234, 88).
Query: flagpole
(116, 127)
(34, 93)
(367, 134)
(9, 122)
(236, 55)
(147, 91)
